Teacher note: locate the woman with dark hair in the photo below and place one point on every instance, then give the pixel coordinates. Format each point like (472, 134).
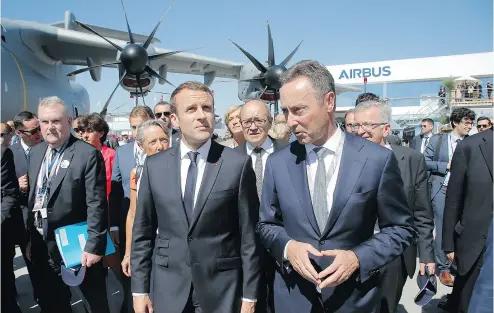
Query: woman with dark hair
(93, 129)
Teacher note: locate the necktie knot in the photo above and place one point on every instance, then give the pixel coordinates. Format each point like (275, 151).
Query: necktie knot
(321, 152)
(192, 156)
(53, 153)
(258, 150)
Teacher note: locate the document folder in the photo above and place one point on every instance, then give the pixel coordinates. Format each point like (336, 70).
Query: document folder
(71, 241)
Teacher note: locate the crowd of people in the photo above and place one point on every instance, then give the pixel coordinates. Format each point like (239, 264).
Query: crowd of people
(293, 213)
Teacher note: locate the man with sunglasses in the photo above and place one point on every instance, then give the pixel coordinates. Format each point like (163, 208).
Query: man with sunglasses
(426, 131)
(6, 132)
(483, 124)
(162, 111)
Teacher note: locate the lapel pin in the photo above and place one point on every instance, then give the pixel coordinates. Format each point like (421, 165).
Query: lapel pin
(65, 164)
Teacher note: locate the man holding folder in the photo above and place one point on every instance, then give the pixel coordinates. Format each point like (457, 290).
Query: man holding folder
(67, 185)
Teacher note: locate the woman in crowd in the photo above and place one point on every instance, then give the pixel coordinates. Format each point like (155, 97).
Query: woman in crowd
(152, 137)
(234, 127)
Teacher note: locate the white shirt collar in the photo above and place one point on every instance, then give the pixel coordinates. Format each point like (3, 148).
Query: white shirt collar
(454, 137)
(24, 146)
(331, 144)
(267, 146)
(203, 150)
(140, 153)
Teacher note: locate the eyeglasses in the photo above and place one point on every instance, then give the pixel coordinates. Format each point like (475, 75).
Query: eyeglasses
(368, 127)
(257, 122)
(159, 114)
(77, 130)
(31, 131)
(468, 123)
(479, 126)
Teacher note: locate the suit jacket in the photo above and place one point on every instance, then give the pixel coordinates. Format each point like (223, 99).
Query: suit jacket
(368, 186)
(416, 142)
(119, 197)
(414, 175)
(215, 249)
(21, 166)
(77, 192)
(468, 207)
(437, 168)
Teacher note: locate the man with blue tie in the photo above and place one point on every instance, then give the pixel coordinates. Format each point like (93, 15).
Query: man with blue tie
(321, 198)
(438, 155)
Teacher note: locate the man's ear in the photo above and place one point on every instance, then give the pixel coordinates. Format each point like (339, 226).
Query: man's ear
(329, 100)
(175, 120)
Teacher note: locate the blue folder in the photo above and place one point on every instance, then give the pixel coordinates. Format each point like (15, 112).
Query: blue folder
(71, 240)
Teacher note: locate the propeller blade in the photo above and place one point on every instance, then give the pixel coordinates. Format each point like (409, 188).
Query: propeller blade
(94, 32)
(164, 55)
(105, 107)
(289, 57)
(271, 60)
(151, 36)
(254, 79)
(138, 77)
(82, 70)
(258, 64)
(131, 37)
(154, 74)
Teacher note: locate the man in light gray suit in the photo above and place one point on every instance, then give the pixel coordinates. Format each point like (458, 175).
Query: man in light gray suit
(201, 198)
(438, 155)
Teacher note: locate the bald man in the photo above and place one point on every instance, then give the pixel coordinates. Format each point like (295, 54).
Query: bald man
(256, 121)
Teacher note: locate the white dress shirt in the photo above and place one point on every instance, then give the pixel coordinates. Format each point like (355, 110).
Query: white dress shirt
(267, 148)
(24, 146)
(311, 165)
(423, 145)
(202, 156)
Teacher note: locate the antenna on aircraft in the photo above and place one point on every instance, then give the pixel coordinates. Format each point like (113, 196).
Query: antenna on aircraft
(134, 59)
(270, 76)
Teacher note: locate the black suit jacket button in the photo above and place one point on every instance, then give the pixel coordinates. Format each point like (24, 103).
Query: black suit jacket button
(322, 242)
(187, 263)
(485, 236)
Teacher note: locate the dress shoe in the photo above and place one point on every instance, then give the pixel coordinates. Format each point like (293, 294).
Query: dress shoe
(446, 279)
(447, 305)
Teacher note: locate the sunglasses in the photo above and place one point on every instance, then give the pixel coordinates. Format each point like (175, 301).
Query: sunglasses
(479, 126)
(4, 134)
(159, 114)
(32, 131)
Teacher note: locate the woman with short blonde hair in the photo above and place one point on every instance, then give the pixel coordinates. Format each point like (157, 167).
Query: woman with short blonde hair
(235, 134)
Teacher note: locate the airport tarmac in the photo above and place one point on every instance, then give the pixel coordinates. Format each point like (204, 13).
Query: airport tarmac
(115, 297)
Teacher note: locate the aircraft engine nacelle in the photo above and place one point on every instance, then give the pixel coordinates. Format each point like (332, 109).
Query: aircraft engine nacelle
(130, 83)
(251, 90)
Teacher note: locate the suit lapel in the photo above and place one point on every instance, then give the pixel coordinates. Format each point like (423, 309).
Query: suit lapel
(297, 168)
(35, 162)
(351, 165)
(486, 150)
(174, 172)
(62, 170)
(213, 165)
(400, 157)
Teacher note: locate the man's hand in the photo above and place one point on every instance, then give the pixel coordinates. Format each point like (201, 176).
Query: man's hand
(298, 255)
(114, 235)
(451, 257)
(143, 304)
(248, 307)
(430, 266)
(89, 259)
(343, 266)
(126, 265)
(23, 183)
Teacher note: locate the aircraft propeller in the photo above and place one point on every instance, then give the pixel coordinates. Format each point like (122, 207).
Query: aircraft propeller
(270, 76)
(134, 58)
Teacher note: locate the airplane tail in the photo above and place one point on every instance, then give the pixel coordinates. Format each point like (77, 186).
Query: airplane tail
(69, 23)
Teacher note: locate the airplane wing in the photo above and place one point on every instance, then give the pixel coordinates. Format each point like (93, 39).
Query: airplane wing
(70, 45)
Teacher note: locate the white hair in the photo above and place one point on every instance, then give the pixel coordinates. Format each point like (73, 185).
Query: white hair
(384, 109)
(142, 128)
(50, 101)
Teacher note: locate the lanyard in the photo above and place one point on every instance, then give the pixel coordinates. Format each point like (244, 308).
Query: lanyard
(48, 170)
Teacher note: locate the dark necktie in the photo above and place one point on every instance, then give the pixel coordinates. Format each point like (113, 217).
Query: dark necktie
(190, 183)
(258, 170)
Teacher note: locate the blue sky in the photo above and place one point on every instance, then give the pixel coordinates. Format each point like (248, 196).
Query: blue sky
(334, 32)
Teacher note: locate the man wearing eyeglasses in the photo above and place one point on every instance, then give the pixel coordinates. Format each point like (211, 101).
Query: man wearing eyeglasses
(483, 124)
(372, 122)
(426, 131)
(256, 121)
(438, 155)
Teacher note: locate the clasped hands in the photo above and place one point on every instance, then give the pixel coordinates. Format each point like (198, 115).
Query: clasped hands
(344, 265)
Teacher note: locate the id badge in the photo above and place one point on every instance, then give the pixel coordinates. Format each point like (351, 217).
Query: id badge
(38, 206)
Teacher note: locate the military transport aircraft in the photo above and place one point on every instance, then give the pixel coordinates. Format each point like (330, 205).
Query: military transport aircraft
(40, 60)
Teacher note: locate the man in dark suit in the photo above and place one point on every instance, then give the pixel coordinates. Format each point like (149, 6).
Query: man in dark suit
(414, 175)
(321, 198)
(256, 121)
(67, 185)
(127, 157)
(202, 200)
(419, 143)
(13, 232)
(438, 155)
(468, 213)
